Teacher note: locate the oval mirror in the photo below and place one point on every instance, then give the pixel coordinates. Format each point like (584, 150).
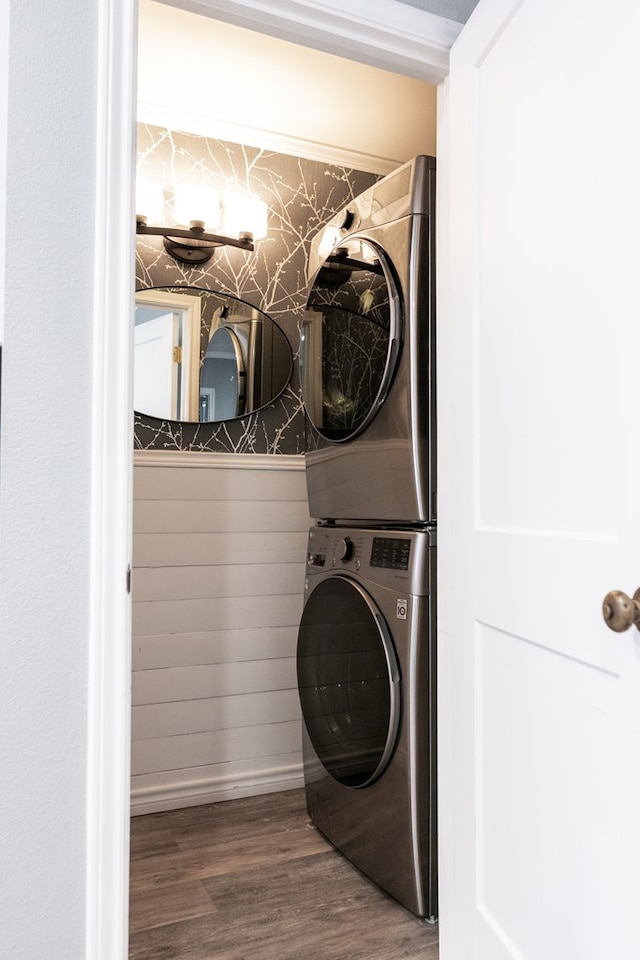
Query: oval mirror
(201, 356)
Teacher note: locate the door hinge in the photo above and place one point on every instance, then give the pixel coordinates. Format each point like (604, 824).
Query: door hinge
(177, 354)
(129, 579)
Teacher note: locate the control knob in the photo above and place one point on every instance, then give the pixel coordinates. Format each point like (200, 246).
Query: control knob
(344, 549)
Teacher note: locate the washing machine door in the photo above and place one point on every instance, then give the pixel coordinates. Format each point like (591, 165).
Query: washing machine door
(348, 681)
(351, 339)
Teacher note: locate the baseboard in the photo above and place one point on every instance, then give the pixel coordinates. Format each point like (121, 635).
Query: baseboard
(172, 796)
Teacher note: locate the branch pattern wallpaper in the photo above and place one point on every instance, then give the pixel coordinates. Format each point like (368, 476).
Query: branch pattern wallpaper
(302, 195)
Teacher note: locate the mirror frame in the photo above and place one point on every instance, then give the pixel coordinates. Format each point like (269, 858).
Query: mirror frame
(192, 344)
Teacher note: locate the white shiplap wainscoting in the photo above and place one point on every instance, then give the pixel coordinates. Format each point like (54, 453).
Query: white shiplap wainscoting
(218, 572)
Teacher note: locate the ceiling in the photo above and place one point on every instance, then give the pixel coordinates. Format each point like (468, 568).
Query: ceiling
(458, 10)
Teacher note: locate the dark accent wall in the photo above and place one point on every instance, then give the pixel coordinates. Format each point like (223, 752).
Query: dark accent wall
(302, 195)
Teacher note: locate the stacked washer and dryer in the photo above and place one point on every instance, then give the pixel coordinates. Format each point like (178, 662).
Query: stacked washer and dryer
(367, 644)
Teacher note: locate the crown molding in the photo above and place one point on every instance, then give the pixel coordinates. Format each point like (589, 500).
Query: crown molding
(385, 34)
(212, 128)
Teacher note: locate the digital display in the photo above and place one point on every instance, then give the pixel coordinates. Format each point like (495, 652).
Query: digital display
(390, 552)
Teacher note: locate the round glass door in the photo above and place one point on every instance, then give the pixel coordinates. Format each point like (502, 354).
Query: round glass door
(348, 681)
(351, 339)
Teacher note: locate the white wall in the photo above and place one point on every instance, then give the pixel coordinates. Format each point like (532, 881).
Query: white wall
(203, 76)
(218, 573)
(4, 104)
(45, 465)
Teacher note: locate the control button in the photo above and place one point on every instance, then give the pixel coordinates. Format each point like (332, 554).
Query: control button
(344, 549)
(315, 559)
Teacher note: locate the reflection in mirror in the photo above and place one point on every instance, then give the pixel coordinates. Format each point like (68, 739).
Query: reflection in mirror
(202, 356)
(351, 335)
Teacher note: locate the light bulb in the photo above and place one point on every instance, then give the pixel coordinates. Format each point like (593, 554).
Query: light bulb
(196, 204)
(245, 216)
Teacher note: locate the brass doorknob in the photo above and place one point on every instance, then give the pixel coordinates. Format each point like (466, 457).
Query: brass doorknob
(620, 611)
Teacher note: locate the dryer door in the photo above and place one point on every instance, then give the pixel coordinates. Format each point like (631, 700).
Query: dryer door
(348, 681)
(351, 339)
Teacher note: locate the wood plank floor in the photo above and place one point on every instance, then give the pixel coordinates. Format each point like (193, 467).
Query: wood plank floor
(253, 879)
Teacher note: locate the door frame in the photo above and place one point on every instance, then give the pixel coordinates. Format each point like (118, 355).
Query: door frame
(389, 35)
(109, 628)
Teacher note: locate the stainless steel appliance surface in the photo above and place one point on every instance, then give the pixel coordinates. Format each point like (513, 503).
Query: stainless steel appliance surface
(367, 355)
(366, 679)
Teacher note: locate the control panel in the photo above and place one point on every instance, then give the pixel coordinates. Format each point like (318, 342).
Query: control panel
(332, 548)
(390, 552)
(344, 549)
(394, 558)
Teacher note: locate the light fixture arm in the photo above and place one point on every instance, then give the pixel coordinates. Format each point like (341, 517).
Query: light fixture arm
(198, 246)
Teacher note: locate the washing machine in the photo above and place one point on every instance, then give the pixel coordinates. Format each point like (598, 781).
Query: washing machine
(366, 679)
(367, 356)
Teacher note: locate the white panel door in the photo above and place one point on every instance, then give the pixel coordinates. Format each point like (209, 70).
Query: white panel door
(155, 381)
(540, 514)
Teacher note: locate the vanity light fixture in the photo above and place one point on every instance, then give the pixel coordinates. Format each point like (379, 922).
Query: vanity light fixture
(197, 206)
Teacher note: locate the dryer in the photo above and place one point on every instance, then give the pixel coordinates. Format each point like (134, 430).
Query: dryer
(367, 355)
(366, 679)
(241, 369)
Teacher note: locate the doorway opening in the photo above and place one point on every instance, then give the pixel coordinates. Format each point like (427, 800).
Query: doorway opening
(372, 157)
